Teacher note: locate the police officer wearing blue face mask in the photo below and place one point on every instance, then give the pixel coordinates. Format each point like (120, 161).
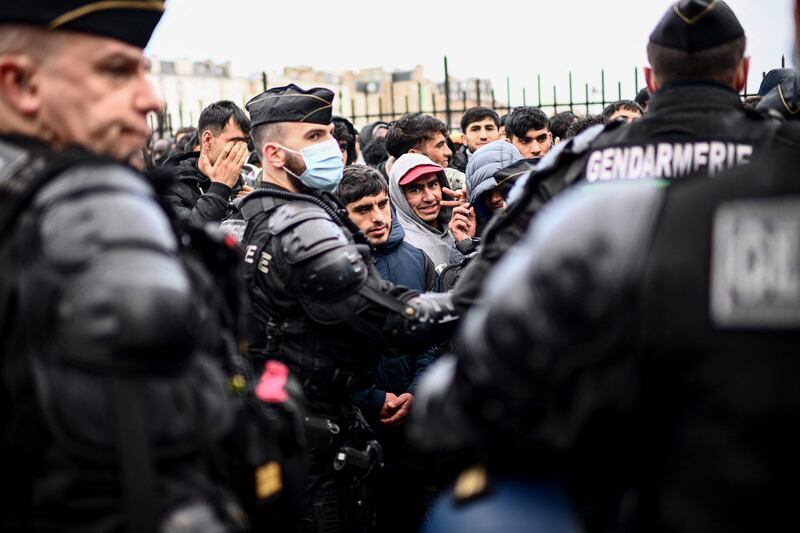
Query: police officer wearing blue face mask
(318, 304)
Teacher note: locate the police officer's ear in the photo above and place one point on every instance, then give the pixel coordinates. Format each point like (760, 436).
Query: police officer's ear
(740, 80)
(273, 155)
(651, 80)
(19, 86)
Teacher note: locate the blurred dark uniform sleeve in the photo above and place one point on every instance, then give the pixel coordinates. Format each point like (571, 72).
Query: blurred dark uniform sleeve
(316, 261)
(107, 334)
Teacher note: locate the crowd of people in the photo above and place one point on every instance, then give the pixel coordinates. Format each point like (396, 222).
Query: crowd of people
(275, 321)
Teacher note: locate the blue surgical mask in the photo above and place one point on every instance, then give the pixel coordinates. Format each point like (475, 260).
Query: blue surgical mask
(324, 165)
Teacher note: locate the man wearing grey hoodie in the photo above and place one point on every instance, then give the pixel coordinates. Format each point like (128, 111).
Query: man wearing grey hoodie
(434, 218)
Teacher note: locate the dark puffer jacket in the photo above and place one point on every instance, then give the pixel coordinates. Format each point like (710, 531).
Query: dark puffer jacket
(460, 159)
(402, 264)
(194, 196)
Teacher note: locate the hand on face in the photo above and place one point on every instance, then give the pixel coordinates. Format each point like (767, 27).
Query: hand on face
(463, 222)
(228, 166)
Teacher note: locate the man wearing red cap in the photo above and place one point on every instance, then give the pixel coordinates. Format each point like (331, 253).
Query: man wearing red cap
(434, 222)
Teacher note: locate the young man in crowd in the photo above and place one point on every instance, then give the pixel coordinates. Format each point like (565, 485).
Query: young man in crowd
(346, 135)
(418, 133)
(387, 402)
(479, 127)
(560, 123)
(502, 128)
(527, 129)
(626, 110)
(207, 179)
(643, 98)
(433, 221)
(698, 69)
(487, 187)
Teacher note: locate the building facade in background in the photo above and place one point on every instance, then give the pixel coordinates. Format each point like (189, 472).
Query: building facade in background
(362, 96)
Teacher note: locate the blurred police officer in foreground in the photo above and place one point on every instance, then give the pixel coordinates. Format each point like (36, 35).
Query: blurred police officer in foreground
(696, 125)
(640, 347)
(113, 395)
(318, 303)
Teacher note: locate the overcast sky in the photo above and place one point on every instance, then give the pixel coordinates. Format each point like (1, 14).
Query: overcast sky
(490, 39)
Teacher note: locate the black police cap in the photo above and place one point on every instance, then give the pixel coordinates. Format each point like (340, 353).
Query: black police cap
(695, 25)
(291, 104)
(129, 21)
(784, 98)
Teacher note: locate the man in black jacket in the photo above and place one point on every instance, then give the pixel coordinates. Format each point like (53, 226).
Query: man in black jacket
(479, 127)
(317, 304)
(108, 323)
(209, 179)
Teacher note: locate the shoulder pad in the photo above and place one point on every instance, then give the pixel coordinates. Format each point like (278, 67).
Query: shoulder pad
(588, 245)
(332, 274)
(250, 206)
(88, 178)
(305, 231)
(75, 227)
(293, 213)
(607, 222)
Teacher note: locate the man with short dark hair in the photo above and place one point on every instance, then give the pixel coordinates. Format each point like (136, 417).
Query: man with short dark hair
(560, 123)
(161, 150)
(388, 401)
(317, 305)
(209, 180)
(584, 123)
(527, 129)
(479, 127)
(643, 98)
(183, 132)
(418, 133)
(345, 134)
(502, 128)
(183, 139)
(626, 110)
(696, 125)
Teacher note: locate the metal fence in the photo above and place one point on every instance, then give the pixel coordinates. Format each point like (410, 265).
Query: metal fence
(575, 98)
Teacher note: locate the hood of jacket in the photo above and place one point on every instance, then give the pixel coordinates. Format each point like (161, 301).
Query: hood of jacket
(435, 242)
(485, 163)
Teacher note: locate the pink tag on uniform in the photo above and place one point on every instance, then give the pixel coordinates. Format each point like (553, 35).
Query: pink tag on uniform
(271, 386)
